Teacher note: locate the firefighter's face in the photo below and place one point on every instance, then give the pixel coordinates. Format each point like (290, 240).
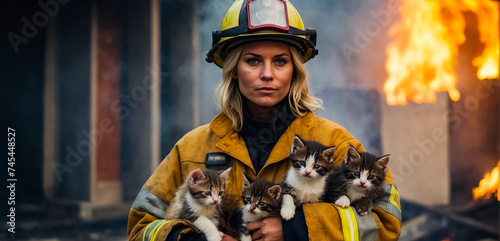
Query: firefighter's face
(264, 73)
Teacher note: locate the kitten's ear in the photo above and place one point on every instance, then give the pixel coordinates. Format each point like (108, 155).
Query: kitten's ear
(246, 181)
(328, 152)
(195, 176)
(298, 143)
(351, 154)
(225, 174)
(384, 161)
(275, 191)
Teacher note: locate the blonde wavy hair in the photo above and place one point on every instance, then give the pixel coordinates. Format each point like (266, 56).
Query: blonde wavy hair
(228, 92)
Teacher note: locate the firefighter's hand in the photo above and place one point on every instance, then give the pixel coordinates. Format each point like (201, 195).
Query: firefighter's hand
(226, 237)
(269, 229)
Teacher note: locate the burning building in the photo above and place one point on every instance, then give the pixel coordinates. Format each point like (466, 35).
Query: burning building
(441, 118)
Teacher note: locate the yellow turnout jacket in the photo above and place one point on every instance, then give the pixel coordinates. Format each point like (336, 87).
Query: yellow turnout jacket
(325, 221)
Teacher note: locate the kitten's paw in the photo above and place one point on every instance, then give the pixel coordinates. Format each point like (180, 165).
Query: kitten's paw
(287, 213)
(361, 211)
(343, 201)
(363, 206)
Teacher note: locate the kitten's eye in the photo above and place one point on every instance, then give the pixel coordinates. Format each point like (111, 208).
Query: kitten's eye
(261, 204)
(221, 193)
(246, 200)
(371, 176)
(302, 163)
(356, 174)
(316, 166)
(208, 193)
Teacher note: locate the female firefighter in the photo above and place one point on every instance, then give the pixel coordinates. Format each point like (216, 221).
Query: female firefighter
(261, 47)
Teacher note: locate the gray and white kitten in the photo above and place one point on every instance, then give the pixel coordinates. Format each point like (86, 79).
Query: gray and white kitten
(261, 199)
(358, 181)
(305, 180)
(198, 200)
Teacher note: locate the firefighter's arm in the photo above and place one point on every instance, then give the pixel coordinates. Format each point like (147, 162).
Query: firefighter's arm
(144, 226)
(326, 221)
(147, 215)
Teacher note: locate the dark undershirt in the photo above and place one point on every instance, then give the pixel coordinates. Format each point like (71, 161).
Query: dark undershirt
(260, 136)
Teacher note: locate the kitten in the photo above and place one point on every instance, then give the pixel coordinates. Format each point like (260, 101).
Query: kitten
(358, 181)
(198, 200)
(305, 180)
(261, 199)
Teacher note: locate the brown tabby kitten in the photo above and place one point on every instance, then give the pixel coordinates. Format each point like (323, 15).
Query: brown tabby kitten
(358, 182)
(261, 199)
(305, 180)
(198, 200)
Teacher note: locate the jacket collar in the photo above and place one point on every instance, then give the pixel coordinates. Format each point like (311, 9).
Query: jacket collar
(221, 125)
(231, 142)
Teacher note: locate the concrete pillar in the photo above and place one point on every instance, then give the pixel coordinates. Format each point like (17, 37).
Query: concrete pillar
(105, 135)
(102, 102)
(416, 137)
(72, 75)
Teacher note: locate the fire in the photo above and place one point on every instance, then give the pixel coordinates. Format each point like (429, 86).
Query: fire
(487, 12)
(422, 57)
(488, 185)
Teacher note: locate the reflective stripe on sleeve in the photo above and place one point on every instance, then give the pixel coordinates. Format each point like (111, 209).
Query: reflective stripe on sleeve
(146, 201)
(367, 226)
(394, 198)
(390, 203)
(151, 230)
(349, 223)
(356, 227)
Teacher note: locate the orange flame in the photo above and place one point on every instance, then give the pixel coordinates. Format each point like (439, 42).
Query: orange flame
(421, 59)
(488, 185)
(487, 12)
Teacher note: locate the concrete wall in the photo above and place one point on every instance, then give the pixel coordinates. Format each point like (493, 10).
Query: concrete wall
(416, 136)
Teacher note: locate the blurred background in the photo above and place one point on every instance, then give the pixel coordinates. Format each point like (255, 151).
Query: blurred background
(98, 92)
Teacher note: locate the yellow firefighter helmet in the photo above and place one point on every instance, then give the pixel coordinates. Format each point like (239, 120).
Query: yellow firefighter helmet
(251, 20)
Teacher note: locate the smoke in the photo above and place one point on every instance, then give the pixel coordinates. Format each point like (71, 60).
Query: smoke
(211, 14)
(352, 36)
